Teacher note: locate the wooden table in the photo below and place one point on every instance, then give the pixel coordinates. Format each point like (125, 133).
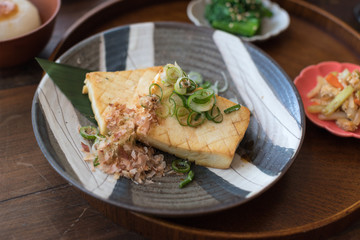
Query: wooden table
(37, 203)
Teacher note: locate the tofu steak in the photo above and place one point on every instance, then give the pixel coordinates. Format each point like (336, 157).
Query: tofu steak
(210, 144)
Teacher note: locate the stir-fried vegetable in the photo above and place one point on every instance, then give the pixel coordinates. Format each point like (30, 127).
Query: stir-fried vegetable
(173, 72)
(337, 97)
(316, 108)
(334, 81)
(241, 17)
(338, 100)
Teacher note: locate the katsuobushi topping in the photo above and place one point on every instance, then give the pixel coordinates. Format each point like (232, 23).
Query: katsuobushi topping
(118, 153)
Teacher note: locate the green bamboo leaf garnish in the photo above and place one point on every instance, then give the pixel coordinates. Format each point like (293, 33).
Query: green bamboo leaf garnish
(70, 80)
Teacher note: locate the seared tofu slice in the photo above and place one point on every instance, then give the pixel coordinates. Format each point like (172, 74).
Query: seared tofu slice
(210, 144)
(104, 88)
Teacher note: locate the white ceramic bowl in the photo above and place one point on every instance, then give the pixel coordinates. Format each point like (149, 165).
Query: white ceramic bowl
(270, 26)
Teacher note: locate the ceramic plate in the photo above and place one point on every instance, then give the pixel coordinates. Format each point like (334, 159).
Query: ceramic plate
(270, 145)
(307, 81)
(270, 26)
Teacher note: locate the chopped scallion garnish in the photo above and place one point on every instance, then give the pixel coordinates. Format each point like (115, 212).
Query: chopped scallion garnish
(187, 180)
(89, 132)
(182, 114)
(233, 108)
(180, 166)
(196, 77)
(195, 119)
(158, 86)
(189, 102)
(96, 162)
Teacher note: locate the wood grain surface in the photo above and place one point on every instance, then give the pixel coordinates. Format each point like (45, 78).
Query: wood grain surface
(318, 198)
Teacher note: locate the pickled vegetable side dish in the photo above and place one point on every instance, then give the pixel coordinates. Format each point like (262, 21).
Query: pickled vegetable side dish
(336, 97)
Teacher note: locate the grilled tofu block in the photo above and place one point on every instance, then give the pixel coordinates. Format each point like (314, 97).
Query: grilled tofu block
(210, 144)
(104, 88)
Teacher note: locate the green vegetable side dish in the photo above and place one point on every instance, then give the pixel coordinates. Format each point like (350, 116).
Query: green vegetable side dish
(241, 17)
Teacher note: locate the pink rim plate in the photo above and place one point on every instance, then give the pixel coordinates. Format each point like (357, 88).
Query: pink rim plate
(307, 81)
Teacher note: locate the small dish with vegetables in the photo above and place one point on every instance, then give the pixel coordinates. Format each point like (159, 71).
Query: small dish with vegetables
(252, 20)
(330, 92)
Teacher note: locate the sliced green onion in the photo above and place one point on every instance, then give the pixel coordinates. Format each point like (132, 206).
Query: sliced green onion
(182, 114)
(195, 119)
(203, 95)
(96, 161)
(100, 136)
(173, 106)
(172, 73)
(89, 132)
(214, 87)
(233, 108)
(188, 179)
(192, 87)
(196, 77)
(180, 166)
(142, 102)
(181, 85)
(156, 85)
(184, 85)
(176, 101)
(206, 84)
(193, 101)
(163, 111)
(187, 103)
(180, 100)
(167, 91)
(226, 83)
(213, 113)
(218, 119)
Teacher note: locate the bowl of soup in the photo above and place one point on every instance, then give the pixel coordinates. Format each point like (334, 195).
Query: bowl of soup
(26, 27)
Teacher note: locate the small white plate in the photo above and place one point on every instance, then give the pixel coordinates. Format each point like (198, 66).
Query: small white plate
(270, 26)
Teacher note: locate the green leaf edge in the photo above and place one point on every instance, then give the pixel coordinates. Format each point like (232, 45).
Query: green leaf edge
(70, 81)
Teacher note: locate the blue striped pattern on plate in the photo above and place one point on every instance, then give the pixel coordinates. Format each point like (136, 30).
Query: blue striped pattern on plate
(270, 145)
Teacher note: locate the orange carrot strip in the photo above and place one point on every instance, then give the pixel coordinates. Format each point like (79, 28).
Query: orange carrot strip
(334, 81)
(357, 101)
